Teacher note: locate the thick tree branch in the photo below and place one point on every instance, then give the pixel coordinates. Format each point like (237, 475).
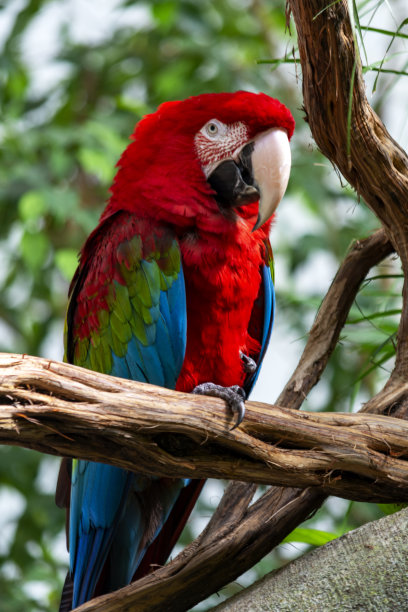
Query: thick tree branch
(365, 568)
(362, 149)
(165, 433)
(203, 568)
(367, 156)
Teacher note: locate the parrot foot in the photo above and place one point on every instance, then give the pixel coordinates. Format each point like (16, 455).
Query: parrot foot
(234, 396)
(248, 363)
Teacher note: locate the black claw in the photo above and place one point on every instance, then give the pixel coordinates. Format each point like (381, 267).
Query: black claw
(248, 363)
(234, 396)
(240, 410)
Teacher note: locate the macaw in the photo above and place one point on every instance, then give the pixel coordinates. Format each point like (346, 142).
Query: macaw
(174, 288)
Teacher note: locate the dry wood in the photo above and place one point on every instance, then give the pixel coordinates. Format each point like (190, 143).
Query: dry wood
(364, 152)
(366, 155)
(364, 570)
(201, 569)
(213, 562)
(164, 433)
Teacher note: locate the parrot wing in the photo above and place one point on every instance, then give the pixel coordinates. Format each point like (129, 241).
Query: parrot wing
(260, 328)
(126, 317)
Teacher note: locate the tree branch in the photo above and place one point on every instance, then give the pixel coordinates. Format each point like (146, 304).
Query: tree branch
(365, 568)
(183, 582)
(377, 168)
(368, 157)
(329, 65)
(165, 433)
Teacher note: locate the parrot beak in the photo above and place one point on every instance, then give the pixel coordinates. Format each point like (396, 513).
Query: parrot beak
(271, 162)
(259, 171)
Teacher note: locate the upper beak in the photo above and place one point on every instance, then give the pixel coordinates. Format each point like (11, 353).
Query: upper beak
(258, 171)
(271, 162)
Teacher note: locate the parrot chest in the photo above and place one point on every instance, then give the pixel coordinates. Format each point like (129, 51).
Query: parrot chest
(222, 280)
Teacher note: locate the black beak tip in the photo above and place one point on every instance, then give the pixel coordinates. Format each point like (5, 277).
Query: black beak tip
(257, 225)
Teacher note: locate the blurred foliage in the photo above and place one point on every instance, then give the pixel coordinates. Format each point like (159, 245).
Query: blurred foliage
(75, 76)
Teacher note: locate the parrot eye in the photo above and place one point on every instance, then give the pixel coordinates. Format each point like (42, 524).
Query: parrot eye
(214, 129)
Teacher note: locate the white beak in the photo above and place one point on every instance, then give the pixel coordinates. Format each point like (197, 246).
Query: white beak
(271, 162)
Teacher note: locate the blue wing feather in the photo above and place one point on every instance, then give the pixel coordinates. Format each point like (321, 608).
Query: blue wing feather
(109, 506)
(91, 528)
(268, 318)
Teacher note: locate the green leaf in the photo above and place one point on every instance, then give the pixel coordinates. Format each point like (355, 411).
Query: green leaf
(396, 34)
(391, 508)
(310, 536)
(67, 262)
(165, 13)
(31, 206)
(375, 315)
(107, 137)
(34, 249)
(95, 162)
(62, 202)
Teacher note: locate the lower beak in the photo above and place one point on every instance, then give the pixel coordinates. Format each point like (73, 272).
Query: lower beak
(260, 172)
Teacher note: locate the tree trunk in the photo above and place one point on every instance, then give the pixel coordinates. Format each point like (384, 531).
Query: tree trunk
(365, 570)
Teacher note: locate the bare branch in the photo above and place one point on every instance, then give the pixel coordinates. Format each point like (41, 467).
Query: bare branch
(165, 433)
(365, 568)
(180, 578)
(373, 163)
(377, 168)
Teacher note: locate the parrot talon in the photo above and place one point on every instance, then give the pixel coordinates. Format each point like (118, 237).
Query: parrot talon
(234, 397)
(248, 363)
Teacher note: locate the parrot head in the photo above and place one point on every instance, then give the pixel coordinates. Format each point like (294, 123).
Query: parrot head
(212, 153)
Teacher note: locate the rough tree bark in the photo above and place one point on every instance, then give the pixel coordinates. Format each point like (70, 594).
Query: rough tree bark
(165, 433)
(377, 168)
(365, 570)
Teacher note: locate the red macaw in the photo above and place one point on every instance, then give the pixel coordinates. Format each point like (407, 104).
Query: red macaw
(173, 288)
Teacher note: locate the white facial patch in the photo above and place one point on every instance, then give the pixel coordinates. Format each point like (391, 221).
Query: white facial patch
(217, 141)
